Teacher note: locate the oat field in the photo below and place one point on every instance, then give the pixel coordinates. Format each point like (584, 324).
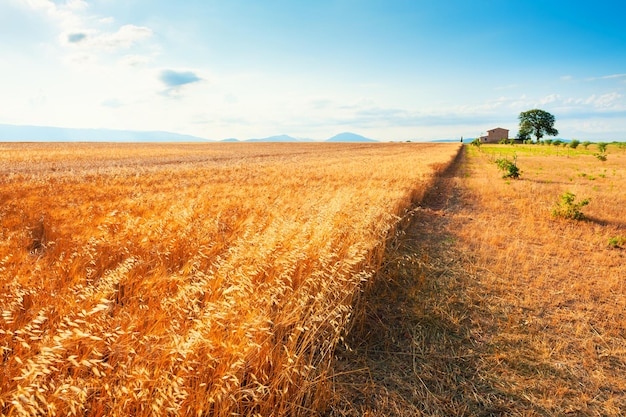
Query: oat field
(190, 279)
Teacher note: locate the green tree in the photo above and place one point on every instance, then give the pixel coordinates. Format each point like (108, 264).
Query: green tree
(536, 122)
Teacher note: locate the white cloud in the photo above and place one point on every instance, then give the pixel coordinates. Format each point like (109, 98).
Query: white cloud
(65, 15)
(604, 101)
(550, 99)
(124, 38)
(608, 102)
(76, 28)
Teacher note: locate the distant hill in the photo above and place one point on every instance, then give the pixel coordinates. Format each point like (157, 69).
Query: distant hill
(279, 138)
(349, 137)
(17, 133)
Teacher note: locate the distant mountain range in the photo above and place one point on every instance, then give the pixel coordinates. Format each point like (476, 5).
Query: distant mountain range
(342, 137)
(14, 133)
(18, 133)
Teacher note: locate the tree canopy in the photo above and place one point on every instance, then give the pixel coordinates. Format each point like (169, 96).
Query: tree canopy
(536, 122)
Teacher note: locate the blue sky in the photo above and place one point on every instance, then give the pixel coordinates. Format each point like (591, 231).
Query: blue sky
(390, 70)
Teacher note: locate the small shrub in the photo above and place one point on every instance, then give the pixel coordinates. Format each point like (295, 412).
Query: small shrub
(586, 144)
(574, 143)
(617, 241)
(602, 146)
(556, 142)
(567, 208)
(548, 141)
(509, 168)
(476, 142)
(600, 156)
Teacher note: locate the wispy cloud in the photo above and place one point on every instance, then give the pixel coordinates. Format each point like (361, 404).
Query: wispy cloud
(594, 78)
(135, 60)
(604, 101)
(551, 98)
(608, 77)
(123, 38)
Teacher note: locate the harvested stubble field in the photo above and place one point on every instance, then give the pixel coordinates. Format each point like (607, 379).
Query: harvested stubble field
(206, 279)
(487, 305)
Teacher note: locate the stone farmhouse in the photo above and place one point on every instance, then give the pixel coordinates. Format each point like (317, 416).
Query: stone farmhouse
(495, 135)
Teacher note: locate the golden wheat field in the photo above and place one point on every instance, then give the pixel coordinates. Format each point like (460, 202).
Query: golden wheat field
(189, 279)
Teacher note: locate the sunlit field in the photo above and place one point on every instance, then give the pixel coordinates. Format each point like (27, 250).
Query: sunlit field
(560, 344)
(490, 305)
(204, 279)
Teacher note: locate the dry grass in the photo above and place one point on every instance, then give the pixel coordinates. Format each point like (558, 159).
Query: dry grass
(189, 279)
(489, 306)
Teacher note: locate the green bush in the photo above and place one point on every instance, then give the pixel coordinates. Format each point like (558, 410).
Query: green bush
(602, 146)
(600, 156)
(567, 208)
(586, 144)
(574, 143)
(617, 241)
(556, 142)
(509, 168)
(476, 142)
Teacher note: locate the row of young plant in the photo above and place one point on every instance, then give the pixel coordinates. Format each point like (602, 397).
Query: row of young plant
(567, 207)
(573, 144)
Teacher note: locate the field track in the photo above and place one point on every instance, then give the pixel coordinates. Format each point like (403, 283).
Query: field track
(191, 279)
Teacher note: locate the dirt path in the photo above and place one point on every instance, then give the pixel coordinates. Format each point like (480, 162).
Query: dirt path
(416, 353)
